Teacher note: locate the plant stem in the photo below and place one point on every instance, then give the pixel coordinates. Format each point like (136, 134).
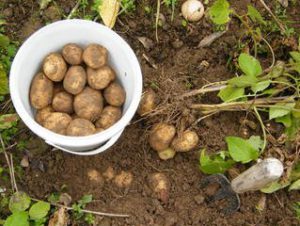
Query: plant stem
(212, 87)
(262, 127)
(73, 11)
(157, 20)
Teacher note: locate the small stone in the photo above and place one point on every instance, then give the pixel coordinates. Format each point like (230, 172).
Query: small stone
(199, 199)
(177, 44)
(25, 162)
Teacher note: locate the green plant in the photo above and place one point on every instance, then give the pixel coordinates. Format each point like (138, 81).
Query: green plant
(296, 207)
(171, 4)
(127, 6)
(79, 206)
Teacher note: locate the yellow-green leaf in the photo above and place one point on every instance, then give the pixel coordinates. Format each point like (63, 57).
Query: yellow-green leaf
(7, 121)
(108, 11)
(3, 81)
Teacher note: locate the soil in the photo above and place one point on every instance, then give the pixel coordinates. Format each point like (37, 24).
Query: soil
(174, 66)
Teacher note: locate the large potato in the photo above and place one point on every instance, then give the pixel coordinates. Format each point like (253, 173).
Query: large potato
(115, 95)
(55, 67)
(75, 80)
(43, 113)
(41, 91)
(80, 127)
(72, 53)
(100, 78)
(88, 104)
(95, 56)
(63, 102)
(109, 116)
(57, 122)
(186, 141)
(161, 136)
(148, 102)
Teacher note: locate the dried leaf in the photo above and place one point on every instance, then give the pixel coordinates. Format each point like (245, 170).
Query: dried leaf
(108, 11)
(146, 42)
(60, 218)
(284, 3)
(44, 4)
(7, 121)
(208, 40)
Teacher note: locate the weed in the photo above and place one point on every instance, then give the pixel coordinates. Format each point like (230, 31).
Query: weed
(128, 6)
(171, 4)
(79, 206)
(297, 209)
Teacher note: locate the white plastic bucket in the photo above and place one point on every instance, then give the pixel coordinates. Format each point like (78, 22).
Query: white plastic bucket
(52, 38)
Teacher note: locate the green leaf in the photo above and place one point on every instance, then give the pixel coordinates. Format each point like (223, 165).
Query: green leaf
(7, 121)
(274, 186)
(3, 81)
(243, 81)
(296, 110)
(85, 199)
(295, 55)
(231, 93)
(255, 15)
(240, 150)
(285, 120)
(215, 164)
(295, 174)
(292, 131)
(17, 219)
(39, 210)
(4, 41)
(280, 110)
(220, 12)
(295, 185)
(270, 91)
(256, 142)
(249, 65)
(19, 201)
(260, 86)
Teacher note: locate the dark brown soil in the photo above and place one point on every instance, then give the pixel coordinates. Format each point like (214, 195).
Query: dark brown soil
(179, 67)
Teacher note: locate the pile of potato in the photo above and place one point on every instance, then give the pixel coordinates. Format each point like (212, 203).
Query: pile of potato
(76, 93)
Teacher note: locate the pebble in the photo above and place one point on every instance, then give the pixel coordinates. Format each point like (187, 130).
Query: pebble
(177, 44)
(199, 199)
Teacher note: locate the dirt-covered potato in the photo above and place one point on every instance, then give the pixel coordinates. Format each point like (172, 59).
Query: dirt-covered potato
(80, 127)
(100, 78)
(63, 102)
(161, 136)
(41, 91)
(43, 113)
(160, 184)
(95, 56)
(109, 116)
(115, 95)
(95, 177)
(169, 153)
(55, 67)
(148, 102)
(124, 179)
(75, 80)
(88, 104)
(186, 141)
(72, 53)
(57, 122)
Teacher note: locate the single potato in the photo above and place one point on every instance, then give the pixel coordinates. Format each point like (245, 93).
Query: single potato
(75, 80)
(95, 56)
(100, 78)
(41, 91)
(161, 185)
(115, 95)
(124, 179)
(186, 141)
(55, 67)
(88, 104)
(43, 113)
(148, 102)
(109, 116)
(80, 127)
(161, 136)
(57, 122)
(63, 102)
(169, 153)
(72, 53)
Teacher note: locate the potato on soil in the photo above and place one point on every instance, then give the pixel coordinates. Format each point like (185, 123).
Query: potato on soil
(124, 179)
(109, 173)
(160, 184)
(148, 102)
(43, 113)
(63, 102)
(41, 91)
(95, 176)
(80, 127)
(72, 53)
(100, 78)
(161, 136)
(75, 80)
(57, 122)
(88, 104)
(186, 141)
(109, 116)
(169, 153)
(115, 95)
(95, 56)
(55, 67)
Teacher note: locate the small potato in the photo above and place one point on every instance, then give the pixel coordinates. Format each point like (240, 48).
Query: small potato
(75, 80)
(99, 130)
(148, 102)
(100, 78)
(95, 177)
(161, 136)
(109, 116)
(95, 56)
(63, 102)
(109, 173)
(115, 95)
(169, 153)
(55, 67)
(72, 53)
(186, 141)
(80, 127)
(124, 179)
(41, 91)
(160, 184)
(43, 113)
(88, 104)
(57, 122)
